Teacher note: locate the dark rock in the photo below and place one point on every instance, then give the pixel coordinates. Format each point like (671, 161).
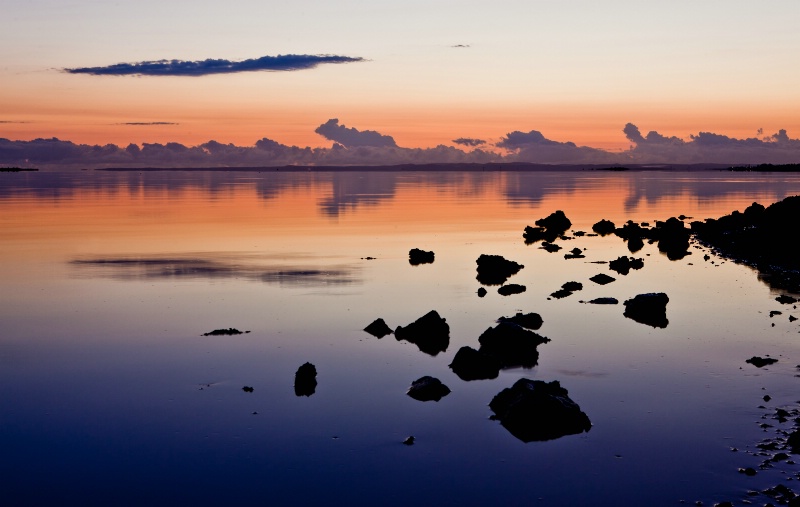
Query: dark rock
(550, 247)
(471, 364)
(561, 294)
(533, 410)
(417, 257)
(409, 440)
(495, 269)
(225, 332)
(649, 309)
(635, 244)
(623, 264)
(604, 227)
(793, 441)
(378, 328)
(723, 504)
(604, 301)
(602, 279)
(430, 333)
(575, 253)
(747, 471)
(428, 389)
(511, 345)
(760, 362)
(673, 238)
(785, 299)
(511, 288)
(528, 320)
(792, 318)
(481, 292)
(549, 228)
(247, 389)
(305, 380)
(573, 286)
(774, 313)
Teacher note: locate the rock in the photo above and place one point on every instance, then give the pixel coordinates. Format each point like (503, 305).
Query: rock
(511, 345)
(481, 292)
(604, 227)
(794, 442)
(747, 471)
(430, 333)
(561, 293)
(247, 389)
(528, 320)
(495, 269)
(511, 288)
(623, 264)
(471, 364)
(575, 253)
(409, 440)
(225, 332)
(602, 279)
(549, 228)
(550, 247)
(533, 410)
(305, 380)
(774, 313)
(572, 286)
(673, 238)
(428, 389)
(760, 362)
(785, 299)
(604, 301)
(635, 244)
(649, 309)
(378, 328)
(417, 257)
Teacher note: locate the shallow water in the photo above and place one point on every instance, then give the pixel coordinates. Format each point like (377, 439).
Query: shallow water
(112, 396)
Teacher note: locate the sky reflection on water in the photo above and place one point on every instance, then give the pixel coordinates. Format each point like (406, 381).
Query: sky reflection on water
(114, 397)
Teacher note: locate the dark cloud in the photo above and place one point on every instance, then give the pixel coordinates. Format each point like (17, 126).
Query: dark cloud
(351, 137)
(143, 123)
(708, 147)
(534, 147)
(214, 66)
(468, 141)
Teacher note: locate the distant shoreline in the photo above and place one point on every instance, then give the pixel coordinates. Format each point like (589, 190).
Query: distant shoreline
(493, 167)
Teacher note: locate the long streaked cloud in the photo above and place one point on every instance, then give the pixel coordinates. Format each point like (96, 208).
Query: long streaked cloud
(469, 141)
(146, 123)
(354, 147)
(214, 66)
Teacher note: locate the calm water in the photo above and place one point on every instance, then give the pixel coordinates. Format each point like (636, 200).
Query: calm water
(111, 396)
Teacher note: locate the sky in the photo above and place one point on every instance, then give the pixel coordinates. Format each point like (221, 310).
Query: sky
(422, 73)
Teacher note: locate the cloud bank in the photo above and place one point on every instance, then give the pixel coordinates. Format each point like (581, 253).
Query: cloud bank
(214, 66)
(145, 123)
(354, 147)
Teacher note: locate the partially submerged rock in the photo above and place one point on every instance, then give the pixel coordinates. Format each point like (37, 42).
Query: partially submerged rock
(495, 269)
(471, 364)
(417, 257)
(673, 238)
(481, 292)
(533, 410)
(561, 294)
(649, 309)
(305, 380)
(248, 389)
(624, 264)
(428, 389)
(602, 279)
(378, 328)
(231, 331)
(430, 333)
(785, 299)
(760, 362)
(572, 286)
(511, 345)
(548, 228)
(527, 320)
(603, 301)
(604, 227)
(511, 288)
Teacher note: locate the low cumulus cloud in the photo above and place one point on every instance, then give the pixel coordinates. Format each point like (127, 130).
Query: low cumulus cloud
(354, 147)
(708, 147)
(214, 66)
(469, 141)
(534, 147)
(352, 137)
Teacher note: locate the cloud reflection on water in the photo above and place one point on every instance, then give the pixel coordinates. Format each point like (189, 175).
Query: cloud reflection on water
(212, 266)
